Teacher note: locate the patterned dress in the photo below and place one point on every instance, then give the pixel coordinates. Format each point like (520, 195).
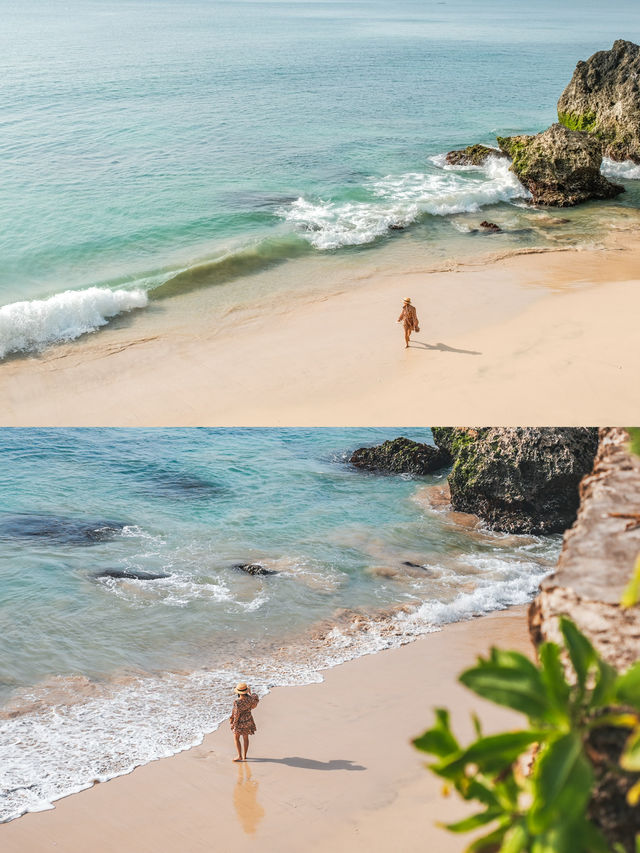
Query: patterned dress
(409, 318)
(242, 722)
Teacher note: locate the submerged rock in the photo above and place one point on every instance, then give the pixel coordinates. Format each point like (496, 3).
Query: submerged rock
(400, 456)
(472, 155)
(131, 574)
(58, 529)
(559, 167)
(254, 569)
(519, 480)
(603, 99)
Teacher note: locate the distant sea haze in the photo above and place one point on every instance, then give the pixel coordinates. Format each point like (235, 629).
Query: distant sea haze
(153, 148)
(125, 548)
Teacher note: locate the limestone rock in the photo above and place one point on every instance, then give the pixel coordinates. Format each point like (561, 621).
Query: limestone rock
(519, 480)
(472, 155)
(400, 456)
(559, 167)
(603, 99)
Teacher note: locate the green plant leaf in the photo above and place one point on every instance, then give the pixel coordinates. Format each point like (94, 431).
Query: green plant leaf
(603, 693)
(583, 655)
(562, 780)
(627, 687)
(631, 594)
(438, 740)
(630, 758)
(512, 681)
(634, 444)
(493, 753)
(488, 843)
(552, 671)
(473, 822)
(515, 839)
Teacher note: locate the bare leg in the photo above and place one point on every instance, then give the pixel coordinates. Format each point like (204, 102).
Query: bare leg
(407, 335)
(237, 740)
(245, 738)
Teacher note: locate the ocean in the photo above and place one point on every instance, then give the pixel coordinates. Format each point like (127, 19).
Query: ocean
(126, 620)
(150, 148)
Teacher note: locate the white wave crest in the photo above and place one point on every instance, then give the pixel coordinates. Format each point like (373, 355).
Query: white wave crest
(398, 200)
(31, 326)
(624, 171)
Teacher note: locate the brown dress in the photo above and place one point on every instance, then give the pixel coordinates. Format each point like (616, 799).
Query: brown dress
(409, 318)
(242, 722)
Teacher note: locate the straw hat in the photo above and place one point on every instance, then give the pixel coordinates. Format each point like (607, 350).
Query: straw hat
(407, 299)
(241, 688)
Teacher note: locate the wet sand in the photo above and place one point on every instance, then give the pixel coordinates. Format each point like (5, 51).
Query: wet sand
(331, 768)
(510, 340)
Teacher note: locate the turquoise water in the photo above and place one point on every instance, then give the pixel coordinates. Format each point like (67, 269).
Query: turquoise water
(101, 673)
(145, 139)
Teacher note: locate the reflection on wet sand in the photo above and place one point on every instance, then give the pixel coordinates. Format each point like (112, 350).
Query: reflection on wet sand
(245, 800)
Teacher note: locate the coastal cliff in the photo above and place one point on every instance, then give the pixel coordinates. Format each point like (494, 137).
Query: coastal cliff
(603, 100)
(597, 558)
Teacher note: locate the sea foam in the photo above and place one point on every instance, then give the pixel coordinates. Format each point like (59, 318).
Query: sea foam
(398, 200)
(31, 326)
(624, 171)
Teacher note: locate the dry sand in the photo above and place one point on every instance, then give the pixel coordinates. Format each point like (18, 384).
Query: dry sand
(331, 768)
(506, 342)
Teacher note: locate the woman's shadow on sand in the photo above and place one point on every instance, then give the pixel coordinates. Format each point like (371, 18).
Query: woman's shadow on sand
(311, 764)
(443, 348)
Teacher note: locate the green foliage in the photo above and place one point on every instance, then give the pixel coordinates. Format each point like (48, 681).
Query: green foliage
(634, 444)
(544, 810)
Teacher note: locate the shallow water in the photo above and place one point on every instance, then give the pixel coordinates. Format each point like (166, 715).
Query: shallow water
(156, 147)
(100, 672)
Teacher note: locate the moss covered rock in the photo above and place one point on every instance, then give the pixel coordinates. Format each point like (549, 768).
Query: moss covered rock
(472, 155)
(559, 167)
(521, 479)
(400, 456)
(603, 99)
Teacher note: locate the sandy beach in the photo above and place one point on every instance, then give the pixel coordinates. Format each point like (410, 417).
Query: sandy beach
(321, 776)
(509, 339)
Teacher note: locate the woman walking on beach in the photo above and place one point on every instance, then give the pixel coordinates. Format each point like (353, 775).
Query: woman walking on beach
(409, 318)
(242, 722)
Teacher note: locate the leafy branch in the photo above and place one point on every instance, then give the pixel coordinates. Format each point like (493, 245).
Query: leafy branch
(545, 810)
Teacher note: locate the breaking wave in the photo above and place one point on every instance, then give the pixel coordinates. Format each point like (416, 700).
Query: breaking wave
(398, 200)
(31, 326)
(624, 171)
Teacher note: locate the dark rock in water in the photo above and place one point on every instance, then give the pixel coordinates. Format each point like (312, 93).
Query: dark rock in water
(559, 167)
(472, 155)
(490, 227)
(131, 574)
(400, 456)
(519, 480)
(395, 227)
(168, 483)
(412, 565)
(254, 569)
(57, 529)
(603, 99)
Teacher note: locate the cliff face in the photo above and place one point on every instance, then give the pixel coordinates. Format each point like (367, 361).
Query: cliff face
(520, 479)
(559, 167)
(597, 558)
(603, 99)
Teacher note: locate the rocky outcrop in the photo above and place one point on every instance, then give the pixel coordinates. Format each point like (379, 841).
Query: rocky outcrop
(603, 99)
(255, 569)
(400, 456)
(131, 575)
(490, 227)
(472, 155)
(519, 480)
(559, 167)
(597, 558)
(58, 530)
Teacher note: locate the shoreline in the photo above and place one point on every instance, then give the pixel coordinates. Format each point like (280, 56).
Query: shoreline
(303, 732)
(498, 338)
